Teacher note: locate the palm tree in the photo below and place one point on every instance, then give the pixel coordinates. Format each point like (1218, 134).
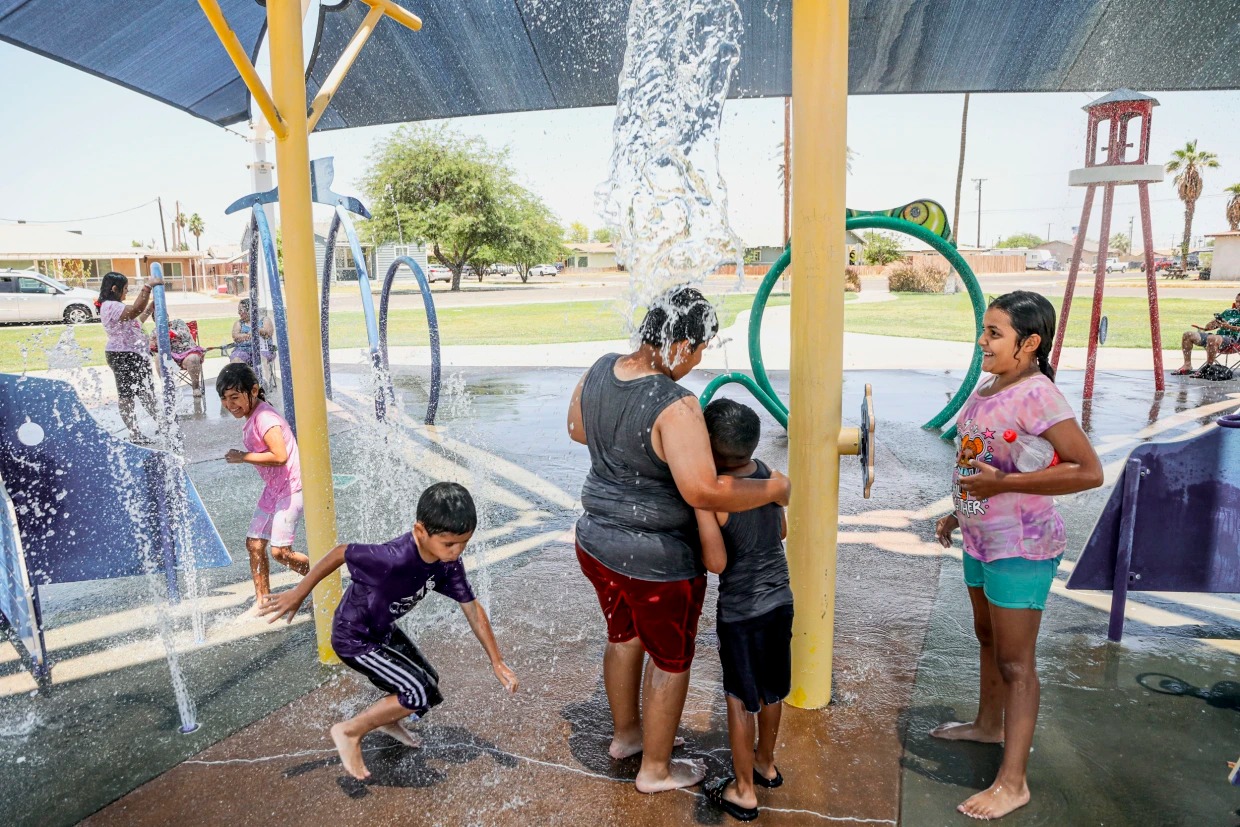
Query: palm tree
(1189, 162)
(180, 222)
(1233, 207)
(196, 229)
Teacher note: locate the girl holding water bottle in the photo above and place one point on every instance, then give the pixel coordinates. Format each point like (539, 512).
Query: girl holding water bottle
(1020, 446)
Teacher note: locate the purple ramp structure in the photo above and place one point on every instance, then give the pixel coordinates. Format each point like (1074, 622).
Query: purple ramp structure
(1172, 523)
(80, 504)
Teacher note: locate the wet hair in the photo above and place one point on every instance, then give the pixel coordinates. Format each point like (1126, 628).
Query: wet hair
(447, 508)
(237, 376)
(111, 288)
(244, 304)
(734, 429)
(1031, 313)
(680, 314)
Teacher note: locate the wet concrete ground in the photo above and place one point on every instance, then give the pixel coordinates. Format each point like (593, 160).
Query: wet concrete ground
(904, 660)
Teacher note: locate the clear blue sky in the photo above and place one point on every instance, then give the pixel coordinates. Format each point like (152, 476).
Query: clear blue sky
(77, 146)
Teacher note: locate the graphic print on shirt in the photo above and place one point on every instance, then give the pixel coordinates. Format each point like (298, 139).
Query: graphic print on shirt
(975, 443)
(400, 607)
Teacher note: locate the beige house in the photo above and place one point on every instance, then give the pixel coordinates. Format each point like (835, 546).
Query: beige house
(591, 255)
(81, 260)
(1062, 250)
(1225, 265)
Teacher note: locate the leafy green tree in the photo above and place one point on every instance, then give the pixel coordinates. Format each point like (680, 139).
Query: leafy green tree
(880, 248)
(1028, 240)
(1188, 163)
(1120, 244)
(450, 191)
(196, 229)
(602, 235)
(752, 254)
(578, 233)
(534, 235)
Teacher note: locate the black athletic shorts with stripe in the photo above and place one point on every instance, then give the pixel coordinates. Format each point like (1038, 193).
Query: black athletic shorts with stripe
(399, 668)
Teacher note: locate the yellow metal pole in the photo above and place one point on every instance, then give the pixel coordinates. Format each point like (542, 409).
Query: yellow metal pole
(343, 64)
(819, 133)
(288, 86)
(228, 39)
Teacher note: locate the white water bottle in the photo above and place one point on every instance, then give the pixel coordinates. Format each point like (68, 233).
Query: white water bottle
(1030, 453)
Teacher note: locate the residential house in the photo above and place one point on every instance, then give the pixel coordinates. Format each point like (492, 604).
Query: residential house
(81, 260)
(591, 255)
(378, 258)
(1062, 251)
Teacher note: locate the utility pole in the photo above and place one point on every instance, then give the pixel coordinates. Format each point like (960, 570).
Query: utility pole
(787, 169)
(979, 182)
(1048, 231)
(162, 229)
(1130, 235)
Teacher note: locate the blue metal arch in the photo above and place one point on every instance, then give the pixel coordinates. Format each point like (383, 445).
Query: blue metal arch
(432, 325)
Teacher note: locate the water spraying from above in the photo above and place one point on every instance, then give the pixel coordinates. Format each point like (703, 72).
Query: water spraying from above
(665, 198)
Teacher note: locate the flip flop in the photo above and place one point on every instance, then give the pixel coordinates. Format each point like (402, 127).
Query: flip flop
(1182, 372)
(714, 794)
(769, 783)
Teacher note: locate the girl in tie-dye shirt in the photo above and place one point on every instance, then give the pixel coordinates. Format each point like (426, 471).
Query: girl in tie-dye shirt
(1013, 536)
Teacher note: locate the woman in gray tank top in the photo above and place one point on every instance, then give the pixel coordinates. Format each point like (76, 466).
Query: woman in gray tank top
(650, 467)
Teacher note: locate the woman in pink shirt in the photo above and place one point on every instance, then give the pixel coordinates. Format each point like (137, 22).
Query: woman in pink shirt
(127, 349)
(1013, 536)
(271, 448)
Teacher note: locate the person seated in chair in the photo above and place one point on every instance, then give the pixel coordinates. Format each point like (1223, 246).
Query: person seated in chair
(1221, 333)
(185, 352)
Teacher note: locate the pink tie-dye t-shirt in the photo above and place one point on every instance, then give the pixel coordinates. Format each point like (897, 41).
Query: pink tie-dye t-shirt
(1007, 525)
(282, 480)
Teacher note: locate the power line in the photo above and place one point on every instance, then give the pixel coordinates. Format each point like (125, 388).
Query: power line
(79, 220)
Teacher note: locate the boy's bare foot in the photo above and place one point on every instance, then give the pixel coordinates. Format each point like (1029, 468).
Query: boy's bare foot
(398, 731)
(350, 750)
(621, 749)
(680, 773)
(966, 731)
(996, 802)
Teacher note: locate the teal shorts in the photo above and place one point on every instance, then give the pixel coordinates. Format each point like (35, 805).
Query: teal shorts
(1013, 582)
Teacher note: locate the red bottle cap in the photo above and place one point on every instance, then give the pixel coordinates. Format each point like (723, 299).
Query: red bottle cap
(1009, 436)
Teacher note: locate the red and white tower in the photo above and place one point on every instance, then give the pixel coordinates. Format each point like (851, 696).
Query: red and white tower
(1116, 154)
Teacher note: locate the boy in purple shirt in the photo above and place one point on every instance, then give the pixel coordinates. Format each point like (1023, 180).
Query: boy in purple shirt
(389, 579)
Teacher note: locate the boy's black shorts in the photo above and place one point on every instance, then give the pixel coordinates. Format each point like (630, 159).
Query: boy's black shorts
(399, 668)
(757, 657)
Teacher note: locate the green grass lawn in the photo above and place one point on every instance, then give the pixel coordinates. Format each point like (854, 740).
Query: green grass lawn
(520, 324)
(919, 316)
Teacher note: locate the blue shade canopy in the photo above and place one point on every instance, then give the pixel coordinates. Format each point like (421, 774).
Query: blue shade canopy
(476, 57)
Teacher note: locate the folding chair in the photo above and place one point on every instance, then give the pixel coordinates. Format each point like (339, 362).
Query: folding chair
(180, 374)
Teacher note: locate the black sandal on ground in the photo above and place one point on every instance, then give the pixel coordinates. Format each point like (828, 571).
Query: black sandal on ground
(714, 794)
(769, 783)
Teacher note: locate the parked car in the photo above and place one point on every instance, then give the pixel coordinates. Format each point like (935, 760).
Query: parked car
(544, 270)
(1114, 265)
(30, 296)
(501, 270)
(1160, 263)
(1050, 264)
(1136, 264)
(437, 272)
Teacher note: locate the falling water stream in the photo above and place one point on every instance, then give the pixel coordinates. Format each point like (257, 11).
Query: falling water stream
(665, 198)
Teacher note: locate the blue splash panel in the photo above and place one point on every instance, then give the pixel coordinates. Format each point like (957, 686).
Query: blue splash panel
(1187, 536)
(89, 505)
(17, 595)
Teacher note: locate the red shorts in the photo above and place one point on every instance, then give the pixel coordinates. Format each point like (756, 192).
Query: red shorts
(662, 615)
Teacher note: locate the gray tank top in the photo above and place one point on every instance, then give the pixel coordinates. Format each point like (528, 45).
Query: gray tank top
(755, 580)
(635, 521)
